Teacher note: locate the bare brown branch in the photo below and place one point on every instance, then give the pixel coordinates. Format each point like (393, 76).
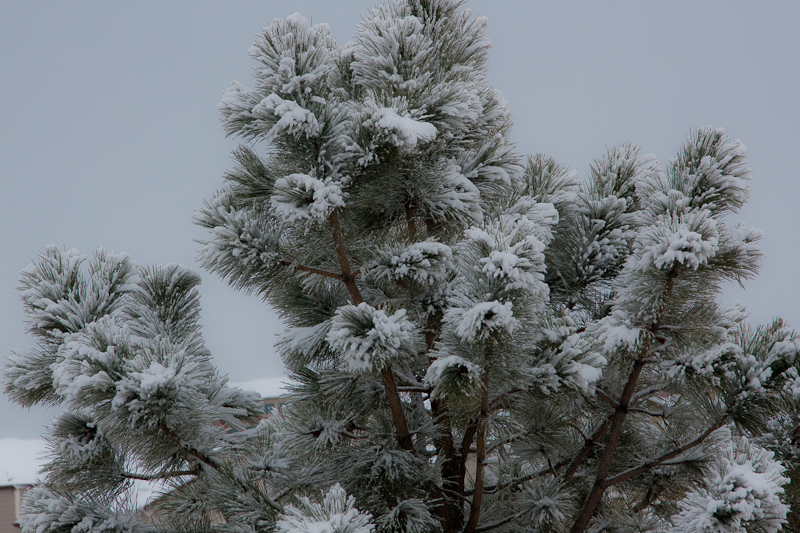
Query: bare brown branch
(480, 458)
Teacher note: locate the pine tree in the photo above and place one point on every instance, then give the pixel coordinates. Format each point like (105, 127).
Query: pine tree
(476, 342)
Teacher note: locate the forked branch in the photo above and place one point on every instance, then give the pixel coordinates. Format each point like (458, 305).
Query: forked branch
(390, 386)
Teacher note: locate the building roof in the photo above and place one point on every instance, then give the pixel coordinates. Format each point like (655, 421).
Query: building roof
(20, 460)
(266, 387)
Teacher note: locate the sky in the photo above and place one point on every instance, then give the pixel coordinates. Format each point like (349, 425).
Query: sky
(110, 135)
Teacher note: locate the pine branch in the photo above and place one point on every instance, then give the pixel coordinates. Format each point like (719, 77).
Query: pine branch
(500, 523)
(654, 414)
(155, 477)
(466, 443)
(392, 395)
(353, 436)
(406, 388)
(631, 472)
(282, 494)
(492, 489)
(503, 396)
(206, 460)
(480, 458)
(347, 276)
(311, 270)
(191, 451)
(453, 466)
(455, 494)
(606, 398)
(620, 413)
(396, 407)
(647, 392)
(410, 209)
(590, 443)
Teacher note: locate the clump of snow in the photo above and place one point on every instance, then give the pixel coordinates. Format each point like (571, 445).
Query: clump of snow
(743, 241)
(511, 268)
(369, 337)
(704, 363)
(742, 494)
(295, 60)
(792, 385)
(237, 235)
(60, 297)
(80, 441)
(687, 248)
(46, 511)
(482, 320)
(300, 196)
(77, 366)
(585, 375)
(292, 117)
(724, 170)
(456, 196)
(615, 331)
(423, 262)
(583, 363)
(468, 373)
(545, 377)
(304, 342)
(336, 514)
(689, 239)
(403, 131)
(511, 250)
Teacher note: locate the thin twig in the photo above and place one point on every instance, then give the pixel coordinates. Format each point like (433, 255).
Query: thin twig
(191, 451)
(654, 414)
(503, 396)
(499, 523)
(606, 397)
(424, 390)
(282, 494)
(155, 477)
(647, 392)
(588, 444)
(311, 270)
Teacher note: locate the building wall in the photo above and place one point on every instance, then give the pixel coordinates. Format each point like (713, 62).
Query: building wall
(272, 406)
(10, 496)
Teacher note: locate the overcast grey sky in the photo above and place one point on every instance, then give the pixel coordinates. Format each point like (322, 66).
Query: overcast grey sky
(109, 134)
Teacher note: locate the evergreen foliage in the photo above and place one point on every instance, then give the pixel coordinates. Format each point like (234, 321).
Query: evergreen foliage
(476, 342)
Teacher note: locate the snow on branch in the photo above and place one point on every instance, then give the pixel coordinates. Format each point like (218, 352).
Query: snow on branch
(743, 493)
(303, 197)
(369, 337)
(336, 514)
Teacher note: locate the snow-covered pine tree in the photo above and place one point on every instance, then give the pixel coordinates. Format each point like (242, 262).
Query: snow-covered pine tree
(476, 343)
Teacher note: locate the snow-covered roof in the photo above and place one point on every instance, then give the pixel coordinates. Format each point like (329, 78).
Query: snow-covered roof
(20, 460)
(266, 387)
